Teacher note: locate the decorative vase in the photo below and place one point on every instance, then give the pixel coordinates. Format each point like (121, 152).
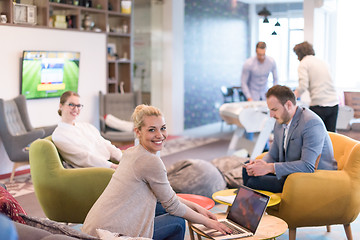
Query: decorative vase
(3, 18)
(88, 23)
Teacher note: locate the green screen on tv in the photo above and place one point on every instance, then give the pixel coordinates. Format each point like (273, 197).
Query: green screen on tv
(47, 74)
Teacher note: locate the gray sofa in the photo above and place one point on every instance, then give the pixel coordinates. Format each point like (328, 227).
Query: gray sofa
(26, 232)
(43, 228)
(35, 228)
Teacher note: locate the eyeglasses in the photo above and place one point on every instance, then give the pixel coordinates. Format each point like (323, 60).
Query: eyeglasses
(73, 106)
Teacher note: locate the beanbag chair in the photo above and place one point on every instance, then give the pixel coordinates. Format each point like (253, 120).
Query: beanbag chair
(195, 176)
(231, 168)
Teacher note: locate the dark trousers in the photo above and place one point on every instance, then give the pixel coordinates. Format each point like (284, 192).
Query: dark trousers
(328, 115)
(267, 182)
(166, 226)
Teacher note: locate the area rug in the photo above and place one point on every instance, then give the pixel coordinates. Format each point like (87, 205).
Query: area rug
(182, 144)
(23, 184)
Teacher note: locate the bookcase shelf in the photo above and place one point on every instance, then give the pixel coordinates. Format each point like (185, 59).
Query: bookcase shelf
(101, 16)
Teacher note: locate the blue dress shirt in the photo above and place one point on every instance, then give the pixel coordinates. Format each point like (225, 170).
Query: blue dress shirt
(254, 77)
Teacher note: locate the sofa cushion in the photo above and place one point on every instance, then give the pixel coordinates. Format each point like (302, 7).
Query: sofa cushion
(107, 235)
(57, 237)
(30, 233)
(55, 227)
(10, 207)
(118, 124)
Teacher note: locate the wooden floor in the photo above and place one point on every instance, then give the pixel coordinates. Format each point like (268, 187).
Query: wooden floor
(353, 134)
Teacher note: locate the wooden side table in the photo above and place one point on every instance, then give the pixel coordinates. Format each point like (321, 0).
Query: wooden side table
(270, 227)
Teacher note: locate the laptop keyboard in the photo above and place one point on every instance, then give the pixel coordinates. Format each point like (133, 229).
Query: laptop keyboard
(234, 229)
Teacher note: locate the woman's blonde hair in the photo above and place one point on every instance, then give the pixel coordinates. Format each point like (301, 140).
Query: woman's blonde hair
(64, 97)
(142, 111)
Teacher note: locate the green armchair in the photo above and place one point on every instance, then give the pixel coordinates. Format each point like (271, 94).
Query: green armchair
(65, 195)
(324, 198)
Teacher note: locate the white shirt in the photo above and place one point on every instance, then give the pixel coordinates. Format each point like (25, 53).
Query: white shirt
(314, 76)
(82, 145)
(286, 131)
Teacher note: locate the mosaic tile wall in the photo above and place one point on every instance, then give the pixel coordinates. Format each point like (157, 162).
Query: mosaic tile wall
(216, 43)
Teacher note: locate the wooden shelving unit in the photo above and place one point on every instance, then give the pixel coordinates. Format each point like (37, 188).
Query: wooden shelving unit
(106, 16)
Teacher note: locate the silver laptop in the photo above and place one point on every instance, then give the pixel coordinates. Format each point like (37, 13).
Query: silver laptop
(244, 216)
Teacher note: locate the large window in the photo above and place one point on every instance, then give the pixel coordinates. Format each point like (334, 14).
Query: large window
(280, 46)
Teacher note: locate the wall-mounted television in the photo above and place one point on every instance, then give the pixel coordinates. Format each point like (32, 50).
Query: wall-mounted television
(46, 74)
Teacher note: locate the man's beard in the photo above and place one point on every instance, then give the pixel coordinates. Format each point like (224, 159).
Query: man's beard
(285, 117)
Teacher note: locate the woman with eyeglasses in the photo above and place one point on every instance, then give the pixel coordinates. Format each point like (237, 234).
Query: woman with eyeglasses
(80, 143)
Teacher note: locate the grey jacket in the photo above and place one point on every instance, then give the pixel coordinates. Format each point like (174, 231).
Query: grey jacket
(307, 138)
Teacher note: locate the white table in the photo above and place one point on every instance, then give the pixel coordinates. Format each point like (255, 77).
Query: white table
(251, 116)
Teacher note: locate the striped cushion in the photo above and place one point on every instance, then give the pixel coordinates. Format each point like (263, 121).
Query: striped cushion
(13, 119)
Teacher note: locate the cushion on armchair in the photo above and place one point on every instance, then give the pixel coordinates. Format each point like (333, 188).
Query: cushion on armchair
(118, 124)
(10, 207)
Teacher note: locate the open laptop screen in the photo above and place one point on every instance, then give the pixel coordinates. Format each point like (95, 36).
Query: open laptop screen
(248, 208)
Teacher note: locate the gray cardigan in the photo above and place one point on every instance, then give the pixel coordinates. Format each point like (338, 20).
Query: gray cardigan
(307, 139)
(127, 205)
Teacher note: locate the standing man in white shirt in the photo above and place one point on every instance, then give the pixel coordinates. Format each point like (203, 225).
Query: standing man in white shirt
(314, 76)
(255, 73)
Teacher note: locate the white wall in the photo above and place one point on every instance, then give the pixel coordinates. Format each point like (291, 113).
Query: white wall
(142, 45)
(167, 91)
(92, 48)
(347, 63)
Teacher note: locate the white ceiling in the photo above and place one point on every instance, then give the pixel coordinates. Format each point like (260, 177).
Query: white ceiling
(269, 1)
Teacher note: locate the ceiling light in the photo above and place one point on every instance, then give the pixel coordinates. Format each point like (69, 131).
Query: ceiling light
(264, 12)
(277, 24)
(274, 33)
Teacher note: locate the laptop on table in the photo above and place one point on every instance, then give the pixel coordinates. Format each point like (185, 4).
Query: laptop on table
(244, 215)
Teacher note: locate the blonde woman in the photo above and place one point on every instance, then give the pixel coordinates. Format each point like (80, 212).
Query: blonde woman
(80, 143)
(127, 206)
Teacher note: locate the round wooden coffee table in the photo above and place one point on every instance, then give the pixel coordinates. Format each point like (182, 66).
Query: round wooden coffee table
(270, 227)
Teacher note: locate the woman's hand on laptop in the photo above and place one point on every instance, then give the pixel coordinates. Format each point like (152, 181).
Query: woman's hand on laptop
(212, 219)
(214, 224)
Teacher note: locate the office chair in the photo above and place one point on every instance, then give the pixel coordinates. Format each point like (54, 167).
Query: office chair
(228, 96)
(242, 97)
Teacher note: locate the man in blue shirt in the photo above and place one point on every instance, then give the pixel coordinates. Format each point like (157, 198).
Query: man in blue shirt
(255, 73)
